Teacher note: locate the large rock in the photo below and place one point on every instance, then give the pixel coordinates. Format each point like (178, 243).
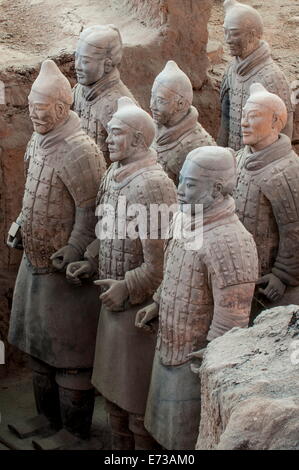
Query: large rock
(250, 386)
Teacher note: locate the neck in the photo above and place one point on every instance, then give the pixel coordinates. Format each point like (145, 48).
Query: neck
(136, 156)
(250, 50)
(264, 143)
(177, 118)
(103, 78)
(213, 206)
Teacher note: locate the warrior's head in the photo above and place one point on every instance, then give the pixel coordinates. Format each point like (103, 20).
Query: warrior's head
(131, 132)
(50, 98)
(172, 95)
(243, 28)
(263, 117)
(207, 177)
(98, 52)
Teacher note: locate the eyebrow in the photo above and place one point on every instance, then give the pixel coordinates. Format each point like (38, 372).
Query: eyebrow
(83, 56)
(110, 128)
(37, 103)
(188, 178)
(254, 110)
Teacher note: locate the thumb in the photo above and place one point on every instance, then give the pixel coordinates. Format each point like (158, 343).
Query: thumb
(140, 317)
(103, 282)
(57, 254)
(262, 280)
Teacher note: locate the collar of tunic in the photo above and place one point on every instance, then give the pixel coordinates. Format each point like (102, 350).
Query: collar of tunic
(70, 127)
(257, 160)
(252, 63)
(167, 136)
(93, 91)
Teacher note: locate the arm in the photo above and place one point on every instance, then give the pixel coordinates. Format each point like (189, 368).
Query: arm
(145, 279)
(282, 191)
(81, 173)
(223, 133)
(232, 306)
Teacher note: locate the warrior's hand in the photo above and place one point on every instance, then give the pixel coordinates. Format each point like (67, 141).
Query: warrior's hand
(196, 355)
(78, 270)
(67, 254)
(274, 289)
(14, 238)
(116, 293)
(146, 315)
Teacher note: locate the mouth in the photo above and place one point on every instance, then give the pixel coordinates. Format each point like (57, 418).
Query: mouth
(156, 115)
(38, 123)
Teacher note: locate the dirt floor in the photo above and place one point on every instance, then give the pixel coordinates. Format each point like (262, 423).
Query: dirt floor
(17, 402)
(31, 30)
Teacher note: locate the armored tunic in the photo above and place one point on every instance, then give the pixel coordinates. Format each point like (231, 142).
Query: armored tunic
(190, 307)
(174, 143)
(124, 353)
(204, 293)
(96, 104)
(51, 320)
(258, 67)
(267, 204)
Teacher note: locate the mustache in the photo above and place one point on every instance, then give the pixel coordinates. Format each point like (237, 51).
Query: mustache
(41, 123)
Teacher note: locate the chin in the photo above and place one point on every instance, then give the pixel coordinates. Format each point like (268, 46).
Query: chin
(115, 157)
(235, 53)
(248, 141)
(41, 129)
(82, 81)
(157, 120)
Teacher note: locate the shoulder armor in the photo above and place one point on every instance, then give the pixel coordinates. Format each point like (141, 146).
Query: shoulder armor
(153, 186)
(82, 167)
(281, 186)
(231, 255)
(274, 80)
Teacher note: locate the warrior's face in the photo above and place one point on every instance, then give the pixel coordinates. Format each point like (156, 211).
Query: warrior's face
(164, 105)
(90, 67)
(45, 113)
(120, 140)
(240, 38)
(258, 126)
(195, 187)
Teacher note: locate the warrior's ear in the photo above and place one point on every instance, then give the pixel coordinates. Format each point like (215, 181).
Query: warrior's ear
(60, 109)
(218, 188)
(275, 121)
(181, 104)
(108, 65)
(139, 140)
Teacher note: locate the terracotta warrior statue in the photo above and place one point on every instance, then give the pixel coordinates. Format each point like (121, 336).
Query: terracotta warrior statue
(52, 321)
(205, 292)
(243, 30)
(267, 196)
(130, 270)
(98, 54)
(177, 128)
